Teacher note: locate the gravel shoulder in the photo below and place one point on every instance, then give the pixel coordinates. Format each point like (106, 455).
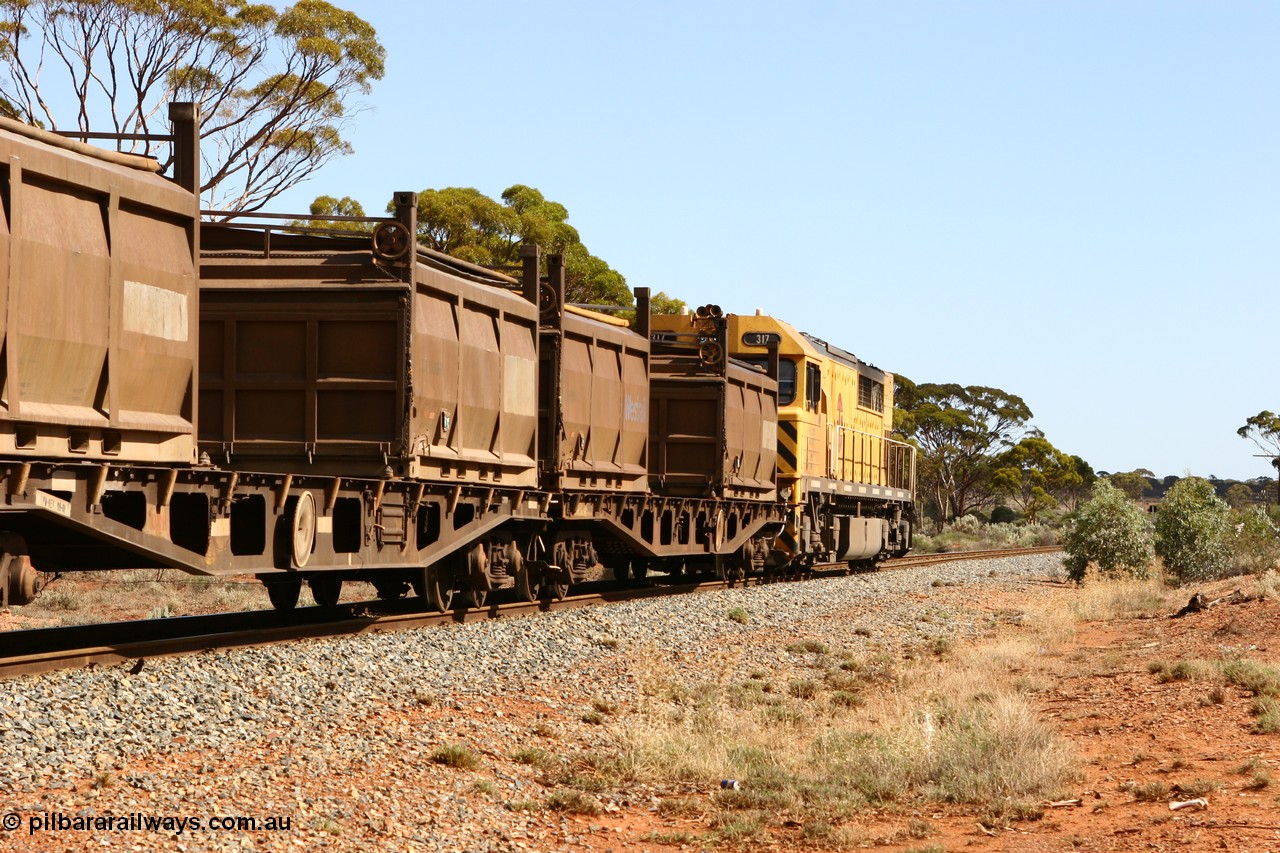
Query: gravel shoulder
(349, 740)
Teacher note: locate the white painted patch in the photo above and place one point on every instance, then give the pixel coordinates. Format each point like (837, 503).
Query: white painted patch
(221, 528)
(154, 311)
(63, 483)
(519, 386)
(324, 524)
(44, 500)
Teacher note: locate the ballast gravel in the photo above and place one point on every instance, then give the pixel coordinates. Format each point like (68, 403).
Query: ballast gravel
(338, 735)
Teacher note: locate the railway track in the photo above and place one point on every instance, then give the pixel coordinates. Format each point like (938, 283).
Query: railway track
(40, 650)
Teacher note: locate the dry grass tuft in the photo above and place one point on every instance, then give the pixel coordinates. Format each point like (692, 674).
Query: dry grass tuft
(1183, 670)
(953, 729)
(1269, 585)
(1108, 599)
(456, 755)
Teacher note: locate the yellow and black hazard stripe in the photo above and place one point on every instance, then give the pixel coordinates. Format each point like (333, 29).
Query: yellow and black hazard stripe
(788, 542)
(788, 447)
(786, 547)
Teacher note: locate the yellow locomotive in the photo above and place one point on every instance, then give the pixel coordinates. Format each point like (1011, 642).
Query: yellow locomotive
(849, 485)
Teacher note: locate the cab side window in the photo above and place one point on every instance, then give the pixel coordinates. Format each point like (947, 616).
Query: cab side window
(812, 386)
(786, 382)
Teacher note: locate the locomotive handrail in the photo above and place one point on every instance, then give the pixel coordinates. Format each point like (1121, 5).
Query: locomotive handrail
(836, 458)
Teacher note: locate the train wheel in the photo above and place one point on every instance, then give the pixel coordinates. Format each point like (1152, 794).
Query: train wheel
(325, 589)
(473, 566)
(436, 589)
(528, 584)
(302, 523)
(20, 583)
(284, 593)
(560, 554)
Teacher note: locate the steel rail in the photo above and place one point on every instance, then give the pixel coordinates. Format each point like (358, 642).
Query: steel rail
(34, 651)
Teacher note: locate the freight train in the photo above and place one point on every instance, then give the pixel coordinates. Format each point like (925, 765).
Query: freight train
(260, 395)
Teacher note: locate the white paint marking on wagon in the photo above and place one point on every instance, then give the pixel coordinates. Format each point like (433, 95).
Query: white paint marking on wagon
(53, 503)
(154, 311)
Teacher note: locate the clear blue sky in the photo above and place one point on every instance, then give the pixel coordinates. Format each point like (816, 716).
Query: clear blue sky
(1076, 202)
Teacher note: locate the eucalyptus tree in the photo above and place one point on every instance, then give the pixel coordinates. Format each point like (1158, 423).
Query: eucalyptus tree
(1032, 472)
(1263, 429)
(467, 224)
(1192, 529)
(960, 431)
(1109, 532)
(1133, 483)
(276, 88)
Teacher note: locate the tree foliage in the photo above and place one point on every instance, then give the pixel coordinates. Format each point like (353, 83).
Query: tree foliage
(1191, 530)
(1255, 545)
(1110, 532)
(1238, 496)
(1132, 483)
(327, 205)
(661, 303)
(275, 87)
(959, 430)
(466, 223)
(1032, 472)
(1263, 429)
(1082, 484)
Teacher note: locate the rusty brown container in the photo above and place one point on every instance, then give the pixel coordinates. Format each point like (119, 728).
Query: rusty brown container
(319, 356)
(594, 389)
(97, 303)
(713, 436)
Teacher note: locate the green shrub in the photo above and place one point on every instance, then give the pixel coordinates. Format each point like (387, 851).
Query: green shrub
(1191, 531)
(1108, 531)
(1255, 547)
(1003, 515)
